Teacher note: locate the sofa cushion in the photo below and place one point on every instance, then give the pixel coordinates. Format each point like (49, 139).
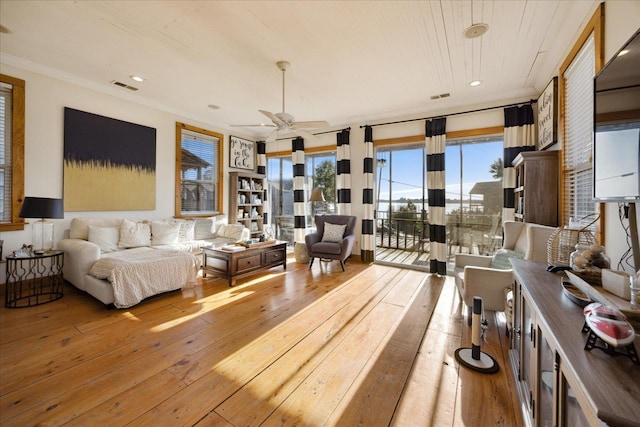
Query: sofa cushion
(164, 232)
(134, 234)
(333, 232)
(79, 228)
(105, 237)
(231, 231)
(204, 228)
(501, 261)
(329, 248)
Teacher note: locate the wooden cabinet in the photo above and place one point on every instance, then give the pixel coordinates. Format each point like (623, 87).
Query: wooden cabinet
(560, 383)
(246, 200)
(536, 192)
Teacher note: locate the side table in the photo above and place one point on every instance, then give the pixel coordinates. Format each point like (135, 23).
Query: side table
(34, 279)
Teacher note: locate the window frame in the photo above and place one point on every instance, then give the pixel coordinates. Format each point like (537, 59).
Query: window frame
(178, 172)
(17, 152)
(595, 26)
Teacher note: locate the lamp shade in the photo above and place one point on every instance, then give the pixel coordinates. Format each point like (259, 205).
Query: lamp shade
(316, 195)
(41, 207)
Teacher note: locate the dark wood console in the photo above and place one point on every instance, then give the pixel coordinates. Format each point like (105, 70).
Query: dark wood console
(559, 382)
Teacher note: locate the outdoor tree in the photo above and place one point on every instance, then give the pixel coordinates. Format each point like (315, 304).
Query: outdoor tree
(496, 168)
(325, 178)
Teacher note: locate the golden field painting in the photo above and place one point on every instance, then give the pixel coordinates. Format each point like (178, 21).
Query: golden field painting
(107, 188)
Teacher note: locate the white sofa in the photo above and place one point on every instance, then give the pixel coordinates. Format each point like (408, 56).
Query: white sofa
(91, 239)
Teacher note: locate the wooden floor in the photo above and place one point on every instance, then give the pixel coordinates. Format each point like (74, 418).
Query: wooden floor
(373, 346)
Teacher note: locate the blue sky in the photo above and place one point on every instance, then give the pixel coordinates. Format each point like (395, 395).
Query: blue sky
(407, 169)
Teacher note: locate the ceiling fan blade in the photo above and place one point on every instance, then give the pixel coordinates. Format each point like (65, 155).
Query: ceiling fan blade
(272, 136)
(303, 133)
(275, 119)
(262, 125)
(311, 125)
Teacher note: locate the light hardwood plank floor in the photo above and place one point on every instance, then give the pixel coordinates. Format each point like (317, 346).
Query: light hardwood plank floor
(372, 346)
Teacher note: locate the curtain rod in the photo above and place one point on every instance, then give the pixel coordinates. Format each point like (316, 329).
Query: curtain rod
(531, 101)
(319, 133)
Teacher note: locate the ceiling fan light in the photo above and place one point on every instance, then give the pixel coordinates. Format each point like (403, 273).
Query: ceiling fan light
(475, 83)
(137, 78)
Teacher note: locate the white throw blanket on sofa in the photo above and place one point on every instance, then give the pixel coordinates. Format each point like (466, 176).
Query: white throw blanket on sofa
(139, 273)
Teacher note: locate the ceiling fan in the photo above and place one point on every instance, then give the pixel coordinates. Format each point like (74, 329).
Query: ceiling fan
(284, 122)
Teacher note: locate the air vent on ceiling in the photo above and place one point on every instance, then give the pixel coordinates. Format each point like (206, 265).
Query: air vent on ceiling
(442, 95)
(124, 85)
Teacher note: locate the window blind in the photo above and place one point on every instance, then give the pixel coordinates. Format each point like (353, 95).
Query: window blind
(199, 174)
(5, 152)
(578, 142)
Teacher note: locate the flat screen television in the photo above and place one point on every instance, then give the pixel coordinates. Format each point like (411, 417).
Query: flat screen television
(616, 147)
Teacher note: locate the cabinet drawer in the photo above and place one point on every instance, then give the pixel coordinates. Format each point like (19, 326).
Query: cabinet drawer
(248, 263)
(272, 257)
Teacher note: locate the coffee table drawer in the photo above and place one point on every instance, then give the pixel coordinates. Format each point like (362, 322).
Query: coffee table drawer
(248, 263)
(274, 256)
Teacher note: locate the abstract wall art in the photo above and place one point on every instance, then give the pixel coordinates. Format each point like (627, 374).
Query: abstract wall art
(109, 164)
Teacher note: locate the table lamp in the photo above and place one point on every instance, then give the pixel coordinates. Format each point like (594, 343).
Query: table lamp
(316, 196)
(43, 208)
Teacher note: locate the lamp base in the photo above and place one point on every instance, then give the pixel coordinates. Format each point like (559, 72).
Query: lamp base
(42, 238)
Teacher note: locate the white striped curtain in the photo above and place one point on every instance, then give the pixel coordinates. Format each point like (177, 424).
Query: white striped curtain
(519, 136)
(435, 143)
(367, 251)
(261, 162)
(343, 171)
(299, 199)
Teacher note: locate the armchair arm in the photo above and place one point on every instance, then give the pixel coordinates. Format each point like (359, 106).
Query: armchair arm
(347, 245)
(311, 239)
(463, 260)
(488, 283)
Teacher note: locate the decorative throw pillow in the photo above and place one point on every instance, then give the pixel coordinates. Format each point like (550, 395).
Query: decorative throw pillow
(205, 228)
(333, 232)
(134, 234)
(187, 230)
(164, 233)
(501, 261)
(105, 237)
(232, 231)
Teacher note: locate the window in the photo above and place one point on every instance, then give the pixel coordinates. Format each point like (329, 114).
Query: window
(576, 106)
(474, 195)
(320, 172)
(12, 102)
(198, 171)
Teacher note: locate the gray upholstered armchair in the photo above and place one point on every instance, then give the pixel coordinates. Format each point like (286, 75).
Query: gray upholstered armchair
(333, 239)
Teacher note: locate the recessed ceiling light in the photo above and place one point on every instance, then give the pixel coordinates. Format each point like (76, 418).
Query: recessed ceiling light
(476, 30)
(137, 78)
(475, 83)
(623, 52)
(213, 107)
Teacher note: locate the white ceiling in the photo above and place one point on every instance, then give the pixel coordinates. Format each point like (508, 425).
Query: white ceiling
(351, 61)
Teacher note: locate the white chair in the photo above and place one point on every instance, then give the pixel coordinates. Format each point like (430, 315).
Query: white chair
(477, 275)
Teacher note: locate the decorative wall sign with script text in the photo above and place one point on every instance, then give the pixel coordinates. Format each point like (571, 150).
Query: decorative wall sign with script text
(548, 115)
(241, 153)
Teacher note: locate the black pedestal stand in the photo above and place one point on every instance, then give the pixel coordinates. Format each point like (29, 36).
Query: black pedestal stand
(472, 357)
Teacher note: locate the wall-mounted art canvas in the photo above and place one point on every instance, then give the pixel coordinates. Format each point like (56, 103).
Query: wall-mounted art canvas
(109, 164)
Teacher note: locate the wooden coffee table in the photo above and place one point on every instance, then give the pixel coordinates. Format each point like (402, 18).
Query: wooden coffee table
(236, 265)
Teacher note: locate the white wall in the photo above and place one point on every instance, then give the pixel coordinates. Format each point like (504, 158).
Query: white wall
(46, 97)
